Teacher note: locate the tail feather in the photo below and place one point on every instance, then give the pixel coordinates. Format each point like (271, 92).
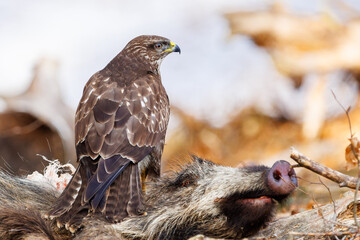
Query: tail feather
(135, 205)
(69, 209)
(115, 194)
(68, 196)
(96, 195)
(118, 197)
(102, 203)
(125, 195)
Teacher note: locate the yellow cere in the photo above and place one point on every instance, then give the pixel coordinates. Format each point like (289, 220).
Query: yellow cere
(172, 45)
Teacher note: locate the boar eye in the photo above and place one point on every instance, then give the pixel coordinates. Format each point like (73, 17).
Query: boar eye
(184, 180)
(186, 183)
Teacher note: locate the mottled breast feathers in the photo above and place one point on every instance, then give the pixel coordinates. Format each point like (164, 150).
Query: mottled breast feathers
(113, 118)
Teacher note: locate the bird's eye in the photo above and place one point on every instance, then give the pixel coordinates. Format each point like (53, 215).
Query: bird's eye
(158, 46)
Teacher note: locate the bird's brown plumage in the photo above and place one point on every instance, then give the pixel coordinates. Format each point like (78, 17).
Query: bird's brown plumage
(120, 128)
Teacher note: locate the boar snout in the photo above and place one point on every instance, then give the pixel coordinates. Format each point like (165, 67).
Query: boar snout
(281, 178)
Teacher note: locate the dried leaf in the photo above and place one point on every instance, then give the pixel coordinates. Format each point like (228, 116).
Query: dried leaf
(352, 153)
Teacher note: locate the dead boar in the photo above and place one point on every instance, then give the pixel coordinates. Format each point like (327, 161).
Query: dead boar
(201, 198)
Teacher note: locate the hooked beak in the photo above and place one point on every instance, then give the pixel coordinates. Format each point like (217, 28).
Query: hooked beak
(173, 48)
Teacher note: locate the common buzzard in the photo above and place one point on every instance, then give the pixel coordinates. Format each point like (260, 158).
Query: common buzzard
(120, 129)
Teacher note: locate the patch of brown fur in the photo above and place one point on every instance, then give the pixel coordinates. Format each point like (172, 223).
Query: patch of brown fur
(27, 224)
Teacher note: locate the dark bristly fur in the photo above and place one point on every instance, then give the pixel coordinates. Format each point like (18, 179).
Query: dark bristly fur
(120, 128)
(19, 222)
(202, 198)
(20, 202)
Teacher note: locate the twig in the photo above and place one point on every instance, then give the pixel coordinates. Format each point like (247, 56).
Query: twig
(356, 190)
(334, 205)
(357, 159)
(345, 110)
(320, 212)
(331, 198)
(342, 179)
(322, 234)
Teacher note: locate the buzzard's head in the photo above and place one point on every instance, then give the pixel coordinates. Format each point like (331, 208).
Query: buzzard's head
(150, 49)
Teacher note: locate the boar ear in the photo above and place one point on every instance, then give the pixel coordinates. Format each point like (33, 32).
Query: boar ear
(201, 161)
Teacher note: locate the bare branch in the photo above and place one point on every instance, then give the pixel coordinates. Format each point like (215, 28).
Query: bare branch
(342, 179)
(345, 110)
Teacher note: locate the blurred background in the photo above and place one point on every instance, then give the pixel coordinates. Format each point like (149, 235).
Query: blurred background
(254, 77)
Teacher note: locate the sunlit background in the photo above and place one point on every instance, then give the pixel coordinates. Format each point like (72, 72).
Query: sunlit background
(239, 93)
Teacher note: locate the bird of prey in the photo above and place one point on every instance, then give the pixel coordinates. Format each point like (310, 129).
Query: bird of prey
(120, 129)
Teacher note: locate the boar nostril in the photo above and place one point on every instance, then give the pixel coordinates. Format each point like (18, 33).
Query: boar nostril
(277, 175)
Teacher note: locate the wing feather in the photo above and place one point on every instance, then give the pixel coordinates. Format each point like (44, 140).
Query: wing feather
(94, 140)
(106, 105)
(117, 126)
(99, 115)
(134, 107)
(122, 115)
